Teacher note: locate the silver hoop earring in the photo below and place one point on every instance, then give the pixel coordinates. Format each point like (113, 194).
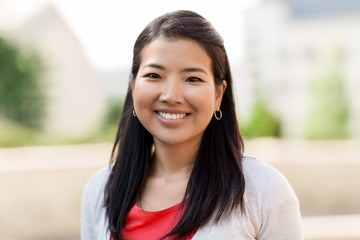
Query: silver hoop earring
(134, 113)
(216, 114)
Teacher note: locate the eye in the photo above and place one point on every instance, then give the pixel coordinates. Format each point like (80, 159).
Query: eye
(193, 79)
(153, 76)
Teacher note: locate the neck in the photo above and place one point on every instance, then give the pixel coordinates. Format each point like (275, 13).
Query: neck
(174, 162)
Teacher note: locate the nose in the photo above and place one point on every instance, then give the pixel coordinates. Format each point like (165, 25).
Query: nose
(172, 91)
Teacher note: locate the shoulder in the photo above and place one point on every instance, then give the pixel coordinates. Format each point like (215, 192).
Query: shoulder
(93, 223)
(97, 182)
(270, 211)
(270, 201)
(263, 180)
(93, 219)
(93, 195)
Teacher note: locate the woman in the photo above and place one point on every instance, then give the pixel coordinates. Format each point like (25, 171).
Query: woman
(178, 170)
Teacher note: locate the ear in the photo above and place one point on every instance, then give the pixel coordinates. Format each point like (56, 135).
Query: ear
(220, 89)
(132, 84)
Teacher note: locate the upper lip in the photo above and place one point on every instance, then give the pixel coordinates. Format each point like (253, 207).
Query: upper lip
(172, 111)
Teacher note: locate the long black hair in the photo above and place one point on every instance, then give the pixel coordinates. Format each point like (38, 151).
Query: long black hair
(216, 185)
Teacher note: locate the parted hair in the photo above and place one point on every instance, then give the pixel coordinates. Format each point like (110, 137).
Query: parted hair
(216, 185)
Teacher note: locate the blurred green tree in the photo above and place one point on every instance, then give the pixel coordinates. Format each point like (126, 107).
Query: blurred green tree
(262, 122)
(22, 93)
(329, 109)
(113, 112)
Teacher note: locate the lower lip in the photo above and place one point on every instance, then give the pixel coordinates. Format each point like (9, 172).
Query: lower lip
(171, 121)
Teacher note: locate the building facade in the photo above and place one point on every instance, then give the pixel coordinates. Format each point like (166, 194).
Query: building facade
(76, 99)
(290, 43)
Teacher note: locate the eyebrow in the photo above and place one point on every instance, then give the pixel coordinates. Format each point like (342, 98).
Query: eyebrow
(154, 65)
(191, 69)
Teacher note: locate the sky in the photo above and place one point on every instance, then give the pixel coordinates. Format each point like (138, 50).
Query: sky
(108, 29)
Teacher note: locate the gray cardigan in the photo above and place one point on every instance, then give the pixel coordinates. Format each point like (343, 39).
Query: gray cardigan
(271, 209)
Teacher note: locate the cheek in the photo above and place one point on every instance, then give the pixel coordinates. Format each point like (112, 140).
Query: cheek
(142, 106)
(142, 94)
(203, 101)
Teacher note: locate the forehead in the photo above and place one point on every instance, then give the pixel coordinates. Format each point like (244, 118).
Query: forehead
(179, 51)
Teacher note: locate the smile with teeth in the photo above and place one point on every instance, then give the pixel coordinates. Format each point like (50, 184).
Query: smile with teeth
(172, 116)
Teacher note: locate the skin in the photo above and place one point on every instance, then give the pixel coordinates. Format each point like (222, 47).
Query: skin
(175, 77)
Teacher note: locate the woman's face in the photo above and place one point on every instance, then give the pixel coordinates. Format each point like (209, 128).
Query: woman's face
(174, 92)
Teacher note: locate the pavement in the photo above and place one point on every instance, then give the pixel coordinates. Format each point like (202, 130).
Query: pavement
(332, 227)
(42, 186)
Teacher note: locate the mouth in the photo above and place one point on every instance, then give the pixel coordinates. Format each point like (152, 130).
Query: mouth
(172, 116)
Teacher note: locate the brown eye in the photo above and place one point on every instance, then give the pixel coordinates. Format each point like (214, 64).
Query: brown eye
(193, 79)
(153, 76)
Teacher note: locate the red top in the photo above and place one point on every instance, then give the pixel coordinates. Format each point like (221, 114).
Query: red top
(144, 225)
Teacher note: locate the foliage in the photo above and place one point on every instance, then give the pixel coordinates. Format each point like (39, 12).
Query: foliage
(110, 123)
(261, 123)
(113, 113)
(22, 95)
(17, 135)
(13, 134)
(329, 109)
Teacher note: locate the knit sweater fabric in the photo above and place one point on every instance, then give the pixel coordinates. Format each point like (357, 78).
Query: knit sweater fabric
(271, 209)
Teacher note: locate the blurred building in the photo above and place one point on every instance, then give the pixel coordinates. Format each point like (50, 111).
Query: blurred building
(288, 43)
(76, 98)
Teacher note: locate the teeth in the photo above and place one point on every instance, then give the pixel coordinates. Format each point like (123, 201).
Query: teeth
(172, 115)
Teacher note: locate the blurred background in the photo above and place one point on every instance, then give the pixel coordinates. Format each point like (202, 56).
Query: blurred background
(64, 70)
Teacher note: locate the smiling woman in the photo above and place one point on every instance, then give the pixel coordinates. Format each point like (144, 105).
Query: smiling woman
(177, 169)
(174, 92)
